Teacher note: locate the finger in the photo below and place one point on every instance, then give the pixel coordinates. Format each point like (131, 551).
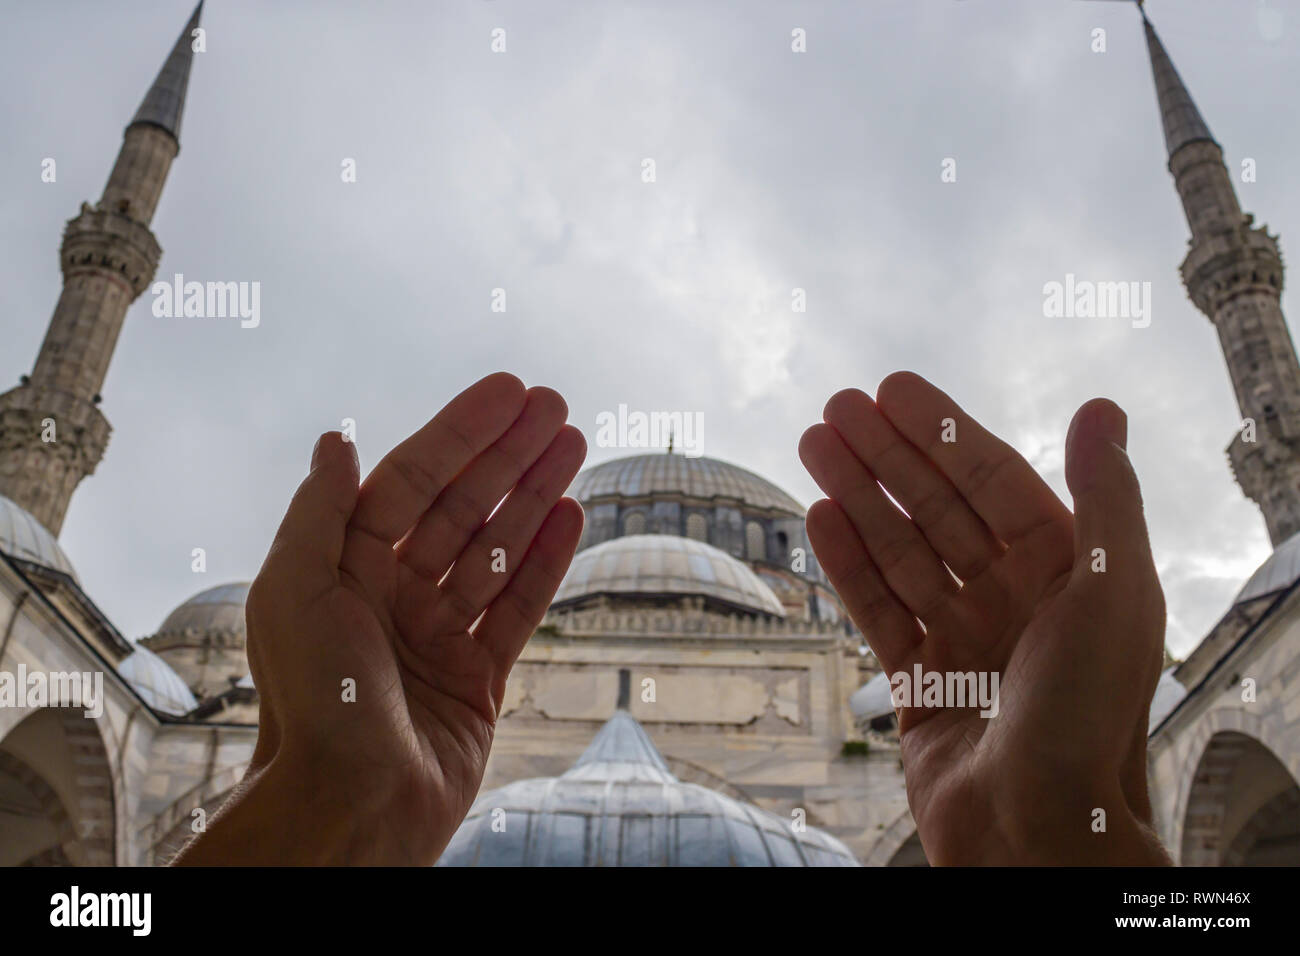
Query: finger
(302, 564)
(898, 550)
(408, 479)
(1108, 512)
(514, 615)
(1113, 551)
(957, 534)
(466, 503)
(1001, 487)
(888, 627)
(304, 557)
(491, 559)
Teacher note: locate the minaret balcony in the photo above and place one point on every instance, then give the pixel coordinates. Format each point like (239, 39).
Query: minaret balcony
(106, 240)
(78, 423)
(1229, 263)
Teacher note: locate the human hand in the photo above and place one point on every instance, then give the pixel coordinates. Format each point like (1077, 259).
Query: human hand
(1078, 651)
(418, 588)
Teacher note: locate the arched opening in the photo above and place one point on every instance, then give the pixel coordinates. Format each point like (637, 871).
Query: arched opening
(910, 853)
(1243, 808)
(755, 542)
(34, 825)
(697, 527)
(56, 792)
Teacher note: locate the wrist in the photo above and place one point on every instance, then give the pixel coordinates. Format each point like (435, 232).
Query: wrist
(287, 814)
(1082, 825)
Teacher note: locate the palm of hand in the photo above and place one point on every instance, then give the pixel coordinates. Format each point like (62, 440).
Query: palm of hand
(387, 617)
(1029, 608)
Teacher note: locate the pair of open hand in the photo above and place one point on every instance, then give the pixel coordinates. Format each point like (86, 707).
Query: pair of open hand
(395, 583)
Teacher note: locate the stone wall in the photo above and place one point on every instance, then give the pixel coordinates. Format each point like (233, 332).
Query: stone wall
(1219, 759)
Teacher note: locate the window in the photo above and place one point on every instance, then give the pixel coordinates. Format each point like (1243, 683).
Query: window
(755, 542)
(634, 523)
(697, 528)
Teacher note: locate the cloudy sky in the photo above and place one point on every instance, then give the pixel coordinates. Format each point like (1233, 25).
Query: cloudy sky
(522, 170)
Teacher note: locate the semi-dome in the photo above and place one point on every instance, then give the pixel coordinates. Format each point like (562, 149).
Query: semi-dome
(655, 565)
(1280, 570)
(659, 473)
(217, 609)
(25, 538)
(160, 686)
(873, 699)
(620, 806)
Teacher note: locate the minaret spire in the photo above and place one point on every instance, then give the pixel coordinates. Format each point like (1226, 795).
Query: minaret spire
(165, 102)
(1182, 120)
(52, 433)
(1233, 273)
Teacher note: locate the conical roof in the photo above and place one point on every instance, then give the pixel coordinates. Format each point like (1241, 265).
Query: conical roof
(621, 750)
(1182, 120)
(165, 102)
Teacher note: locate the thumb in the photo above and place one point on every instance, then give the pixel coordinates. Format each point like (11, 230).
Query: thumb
(1108, 516)
(1107, 499)
(307, 549)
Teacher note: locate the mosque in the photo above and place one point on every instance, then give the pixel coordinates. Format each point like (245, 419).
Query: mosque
(695, 695)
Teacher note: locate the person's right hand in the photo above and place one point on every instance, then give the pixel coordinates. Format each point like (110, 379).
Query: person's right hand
(419, 588)
(1078, 650)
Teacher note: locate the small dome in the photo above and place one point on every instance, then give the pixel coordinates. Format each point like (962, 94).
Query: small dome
(706, 478)
(1169, 693)
(25, 538)
(159, 685)
(654, 565)
(1280, 570)
(620, 806)
(873, 699)
(216, 609)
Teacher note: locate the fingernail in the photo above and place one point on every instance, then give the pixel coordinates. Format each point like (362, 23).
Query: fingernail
(315, 452)
(1114, 425)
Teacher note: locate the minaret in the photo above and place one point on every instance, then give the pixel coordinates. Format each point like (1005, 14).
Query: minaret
(1233, 273)
(52, 433)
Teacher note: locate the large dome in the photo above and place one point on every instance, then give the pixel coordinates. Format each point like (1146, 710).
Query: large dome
(620, 806)
(653, 565)
(216, 609)
(660, 473)
(25, 538)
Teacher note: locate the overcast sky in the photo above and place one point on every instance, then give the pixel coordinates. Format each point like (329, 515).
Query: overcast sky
(523, 170)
